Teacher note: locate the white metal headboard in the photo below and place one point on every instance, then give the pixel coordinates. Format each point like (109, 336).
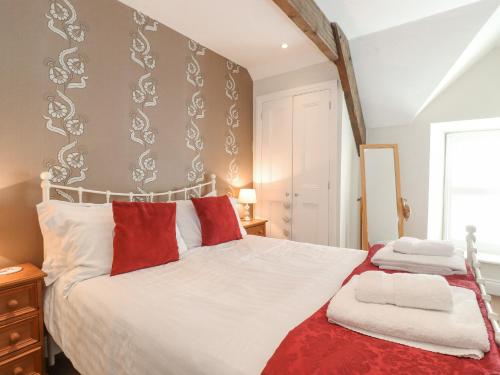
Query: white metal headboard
(197, 189)
(475, 265)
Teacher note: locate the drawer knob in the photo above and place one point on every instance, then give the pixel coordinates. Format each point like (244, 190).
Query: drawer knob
(12, 304)
(18, 371)
(14, 337)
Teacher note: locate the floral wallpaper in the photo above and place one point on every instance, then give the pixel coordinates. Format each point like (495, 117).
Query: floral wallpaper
(195, 112)
(144, 96)
(107, 98)
(232, 122)
(66, 73)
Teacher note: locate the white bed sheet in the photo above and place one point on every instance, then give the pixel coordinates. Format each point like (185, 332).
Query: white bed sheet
(220, 310)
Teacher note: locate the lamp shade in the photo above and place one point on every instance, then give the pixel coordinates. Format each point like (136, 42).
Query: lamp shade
(247, 196)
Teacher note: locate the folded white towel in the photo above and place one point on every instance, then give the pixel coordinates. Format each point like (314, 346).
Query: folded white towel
(430, 292)
(411, 245)
(461, 332)
(387, 258)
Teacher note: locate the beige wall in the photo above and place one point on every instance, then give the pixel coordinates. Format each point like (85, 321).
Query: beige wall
(104, 156)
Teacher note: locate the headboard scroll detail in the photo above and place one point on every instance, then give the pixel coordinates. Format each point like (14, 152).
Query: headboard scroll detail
(197, 189)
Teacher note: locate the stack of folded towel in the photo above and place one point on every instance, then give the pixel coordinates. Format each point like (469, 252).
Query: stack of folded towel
(421, 311)
(421, 256)
(406, 290)
(411, 245)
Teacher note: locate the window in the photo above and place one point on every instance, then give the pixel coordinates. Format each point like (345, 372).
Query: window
(471, 191)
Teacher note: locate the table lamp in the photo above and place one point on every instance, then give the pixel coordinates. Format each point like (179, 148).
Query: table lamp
(247, 197)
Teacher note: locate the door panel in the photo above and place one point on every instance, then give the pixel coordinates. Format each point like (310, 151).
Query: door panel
(276, 166)
(311, 167)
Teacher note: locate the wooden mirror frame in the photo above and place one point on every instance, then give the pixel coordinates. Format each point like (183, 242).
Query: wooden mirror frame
(399, 199)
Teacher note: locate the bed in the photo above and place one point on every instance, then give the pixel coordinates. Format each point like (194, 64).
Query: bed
(222, 310)
(308, 348)
(241, 307)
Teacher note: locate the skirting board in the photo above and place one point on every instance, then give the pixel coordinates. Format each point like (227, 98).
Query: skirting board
(493, 287)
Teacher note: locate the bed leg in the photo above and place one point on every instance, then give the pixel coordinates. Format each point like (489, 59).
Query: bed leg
(52, 350)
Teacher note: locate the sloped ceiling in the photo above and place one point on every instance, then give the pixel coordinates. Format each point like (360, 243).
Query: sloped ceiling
(362, 17)
(485, 40)
(403, 50)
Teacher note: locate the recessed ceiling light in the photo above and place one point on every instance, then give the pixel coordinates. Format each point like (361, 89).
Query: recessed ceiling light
(284, 45)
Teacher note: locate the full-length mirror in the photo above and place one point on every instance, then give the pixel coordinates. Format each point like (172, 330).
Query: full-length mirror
(382, 206)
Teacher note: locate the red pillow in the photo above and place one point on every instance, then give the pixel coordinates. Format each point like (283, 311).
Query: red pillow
(144, 236)
(218, 220)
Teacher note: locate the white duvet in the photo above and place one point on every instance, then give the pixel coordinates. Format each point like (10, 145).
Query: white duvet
(219, 310)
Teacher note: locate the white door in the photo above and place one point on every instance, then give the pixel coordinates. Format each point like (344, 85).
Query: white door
(312, 142)
(276, 166)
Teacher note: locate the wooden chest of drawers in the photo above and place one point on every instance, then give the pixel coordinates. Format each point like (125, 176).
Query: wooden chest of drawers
(257, 227)
(21, 322)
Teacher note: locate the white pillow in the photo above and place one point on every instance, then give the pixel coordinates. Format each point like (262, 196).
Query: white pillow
(88, 243)
(189, 224)
(52, 216)
(78, 239)
(234, 203)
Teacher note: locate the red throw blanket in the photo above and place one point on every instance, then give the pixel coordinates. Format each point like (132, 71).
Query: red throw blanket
(319, 347)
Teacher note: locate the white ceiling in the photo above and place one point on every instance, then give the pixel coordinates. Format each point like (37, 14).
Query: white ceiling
(399, 69)
(249, 32)
(484, 41)
(362, 17)
(405, 52)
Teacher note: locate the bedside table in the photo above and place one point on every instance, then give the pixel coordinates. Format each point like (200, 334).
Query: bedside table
(257, 227)
(21, 322)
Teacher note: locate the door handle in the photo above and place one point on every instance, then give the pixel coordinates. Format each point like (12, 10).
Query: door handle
(296, 195)
(287, 194)
(286, 219)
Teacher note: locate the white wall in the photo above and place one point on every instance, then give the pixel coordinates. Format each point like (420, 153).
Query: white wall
(306, 76)
(348, 184)
(475, 95)
(349, 228)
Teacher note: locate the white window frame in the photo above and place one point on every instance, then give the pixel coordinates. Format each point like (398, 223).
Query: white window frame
(436, 223)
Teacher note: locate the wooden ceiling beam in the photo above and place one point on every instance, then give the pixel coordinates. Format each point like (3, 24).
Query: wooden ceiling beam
(311, 20)
(349, 86)
(331, 40)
